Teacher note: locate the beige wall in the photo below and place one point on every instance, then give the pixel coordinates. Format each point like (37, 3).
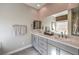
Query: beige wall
(11, 14)
(50, 9)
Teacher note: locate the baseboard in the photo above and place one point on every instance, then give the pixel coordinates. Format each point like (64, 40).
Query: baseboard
(20, 49)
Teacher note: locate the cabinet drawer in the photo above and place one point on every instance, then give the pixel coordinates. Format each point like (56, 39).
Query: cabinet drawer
(43, 45)
(42, 51)
(42, 39)
(62, 52)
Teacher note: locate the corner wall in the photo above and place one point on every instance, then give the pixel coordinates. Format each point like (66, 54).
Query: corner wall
(10, 14)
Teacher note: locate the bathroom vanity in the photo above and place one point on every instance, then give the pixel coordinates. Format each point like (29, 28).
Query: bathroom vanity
(53, 45)
(63, 23)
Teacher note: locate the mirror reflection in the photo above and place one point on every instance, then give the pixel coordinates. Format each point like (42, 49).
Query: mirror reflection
(75, 21)
(56, 23)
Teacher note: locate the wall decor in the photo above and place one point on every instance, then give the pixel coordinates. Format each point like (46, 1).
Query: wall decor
(36, 24)
(20, 29)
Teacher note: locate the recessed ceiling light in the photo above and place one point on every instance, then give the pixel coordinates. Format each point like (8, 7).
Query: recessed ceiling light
(38, 5)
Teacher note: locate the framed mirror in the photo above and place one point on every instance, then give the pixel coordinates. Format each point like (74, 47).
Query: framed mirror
(75, 21)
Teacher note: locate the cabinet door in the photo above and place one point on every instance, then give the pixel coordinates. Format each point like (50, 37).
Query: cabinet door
(51, 50)
(35, 41)
(32, 38)
(43, 51)
(43, 43)
(43, 46)
(62, 52)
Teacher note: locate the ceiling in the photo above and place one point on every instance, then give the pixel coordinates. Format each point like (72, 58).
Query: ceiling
(36, 5)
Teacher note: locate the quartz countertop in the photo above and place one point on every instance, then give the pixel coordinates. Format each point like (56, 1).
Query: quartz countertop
(70, 41)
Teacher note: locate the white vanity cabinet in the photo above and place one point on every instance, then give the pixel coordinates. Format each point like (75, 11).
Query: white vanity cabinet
(45, 46)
